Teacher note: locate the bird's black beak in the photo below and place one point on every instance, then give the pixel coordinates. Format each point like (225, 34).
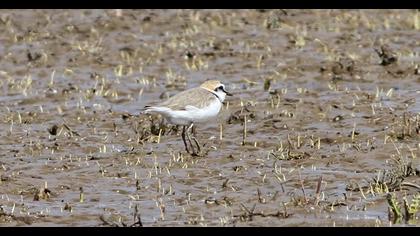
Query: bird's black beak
(227, 93)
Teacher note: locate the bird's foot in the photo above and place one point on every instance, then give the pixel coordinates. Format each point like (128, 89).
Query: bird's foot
(196, 154)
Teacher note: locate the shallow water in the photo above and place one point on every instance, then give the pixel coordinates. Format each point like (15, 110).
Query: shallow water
(331, 112)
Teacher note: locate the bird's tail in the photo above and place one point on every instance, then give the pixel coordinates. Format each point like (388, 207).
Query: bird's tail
(151, 109)
(144, 110)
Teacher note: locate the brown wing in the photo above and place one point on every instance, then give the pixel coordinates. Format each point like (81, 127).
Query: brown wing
(197, 97)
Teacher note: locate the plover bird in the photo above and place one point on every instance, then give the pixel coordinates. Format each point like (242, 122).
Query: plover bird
(192, 106)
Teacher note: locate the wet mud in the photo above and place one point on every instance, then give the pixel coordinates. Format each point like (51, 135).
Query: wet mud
(323, 128)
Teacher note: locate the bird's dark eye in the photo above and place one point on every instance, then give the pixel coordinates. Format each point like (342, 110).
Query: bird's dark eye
(220, 88)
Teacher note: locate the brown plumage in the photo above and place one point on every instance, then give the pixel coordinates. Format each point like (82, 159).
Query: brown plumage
(200, 97)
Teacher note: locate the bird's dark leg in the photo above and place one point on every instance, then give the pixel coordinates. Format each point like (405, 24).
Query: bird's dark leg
(195, 139)
(197, 144)
(183, 138)
(189, 139)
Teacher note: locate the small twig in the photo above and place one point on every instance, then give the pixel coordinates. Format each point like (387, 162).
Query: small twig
(224, 185)
(69, 129)
(244, 132)
(81, 196)
(260, 198)
(410, 185)
(318, 190)
(102, 218)
(303, 188)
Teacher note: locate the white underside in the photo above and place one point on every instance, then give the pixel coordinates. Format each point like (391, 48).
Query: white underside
(191, 114)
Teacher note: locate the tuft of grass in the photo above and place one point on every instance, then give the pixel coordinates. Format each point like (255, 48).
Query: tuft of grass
(403, 211)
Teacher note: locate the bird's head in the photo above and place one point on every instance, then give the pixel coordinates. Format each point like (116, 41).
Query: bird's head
(217, 87)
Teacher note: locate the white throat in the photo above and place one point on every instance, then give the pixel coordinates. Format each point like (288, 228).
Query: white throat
(220, 95)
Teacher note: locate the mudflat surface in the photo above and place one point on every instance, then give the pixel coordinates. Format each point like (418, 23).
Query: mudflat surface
(330, 100)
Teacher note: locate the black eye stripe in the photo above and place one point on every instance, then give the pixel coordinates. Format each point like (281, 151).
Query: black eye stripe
(220, 87)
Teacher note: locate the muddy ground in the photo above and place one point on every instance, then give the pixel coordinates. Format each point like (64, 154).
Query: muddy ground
(322, 130)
